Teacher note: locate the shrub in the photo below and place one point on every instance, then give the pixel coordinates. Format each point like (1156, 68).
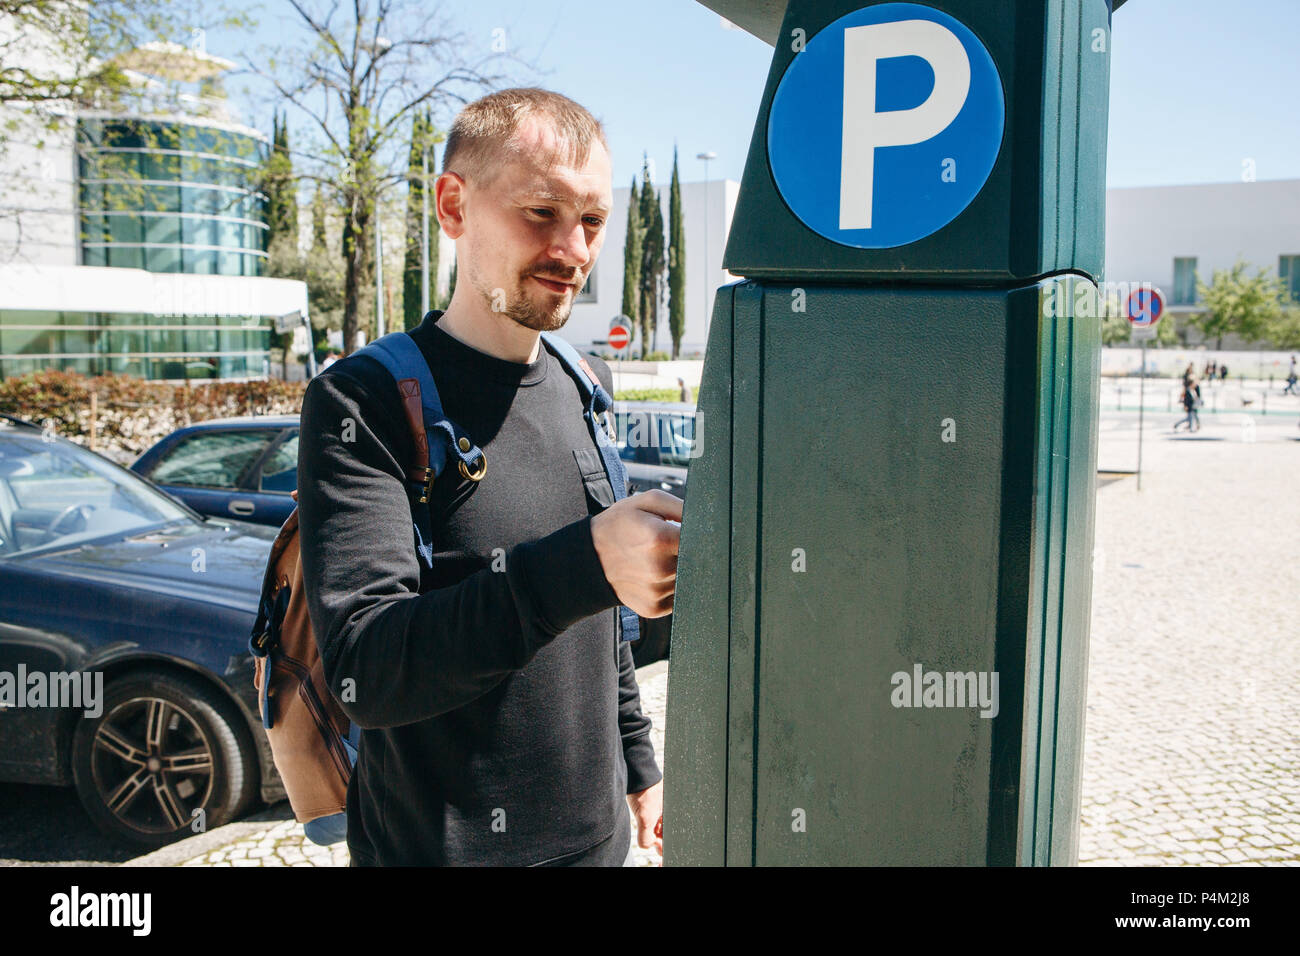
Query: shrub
(131, 414)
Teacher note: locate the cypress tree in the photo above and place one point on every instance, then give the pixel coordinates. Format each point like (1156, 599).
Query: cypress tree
(282, 200)
(422, 135)
(676, 262)
(632, 260)
(652, 259)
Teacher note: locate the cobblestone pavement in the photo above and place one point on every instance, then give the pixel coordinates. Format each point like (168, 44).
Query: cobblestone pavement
(1192, 752)
(1192, 747)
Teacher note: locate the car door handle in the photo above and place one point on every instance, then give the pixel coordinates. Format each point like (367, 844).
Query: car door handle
(243, 508)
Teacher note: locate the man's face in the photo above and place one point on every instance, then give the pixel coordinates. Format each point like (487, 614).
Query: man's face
(533, 233)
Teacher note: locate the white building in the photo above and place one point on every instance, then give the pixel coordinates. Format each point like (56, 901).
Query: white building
(133, 240)
(1169, 235)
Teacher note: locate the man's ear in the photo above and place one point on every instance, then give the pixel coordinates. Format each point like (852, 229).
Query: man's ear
(449, 195)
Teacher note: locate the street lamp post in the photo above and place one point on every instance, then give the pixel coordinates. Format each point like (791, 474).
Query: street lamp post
(706, 156)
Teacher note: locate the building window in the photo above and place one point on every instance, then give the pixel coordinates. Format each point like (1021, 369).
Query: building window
(1288, 270)
(1184, 281)
(588, 292)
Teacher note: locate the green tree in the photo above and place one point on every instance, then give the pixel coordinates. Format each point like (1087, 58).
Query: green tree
(322, 269)
(1284, 331)
(1234, 303)
(423, 136)
(632, 260)
(676, 262)
(281, 187)
(283, 258)
(57, 52)
(650, 286)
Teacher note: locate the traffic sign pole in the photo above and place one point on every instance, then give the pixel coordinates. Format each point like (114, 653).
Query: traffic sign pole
(1143, 309)
(619, 337)
(1142, 383)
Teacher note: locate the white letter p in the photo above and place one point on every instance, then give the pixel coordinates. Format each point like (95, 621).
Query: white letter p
(865, 129)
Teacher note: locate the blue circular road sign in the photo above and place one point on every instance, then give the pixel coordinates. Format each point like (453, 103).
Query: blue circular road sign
(1144, 307)
(886, 125)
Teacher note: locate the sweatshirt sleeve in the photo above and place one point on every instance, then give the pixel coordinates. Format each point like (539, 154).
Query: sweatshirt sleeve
(413, 656)
(634, 727)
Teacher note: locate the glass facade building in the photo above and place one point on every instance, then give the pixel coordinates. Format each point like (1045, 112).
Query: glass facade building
(163, 195)
(143, 345)
(170, 196)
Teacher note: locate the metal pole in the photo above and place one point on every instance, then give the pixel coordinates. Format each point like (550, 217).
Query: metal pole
(706, 156)
(1142, 382)
(379, 275)
(424, 233)
(705, 282)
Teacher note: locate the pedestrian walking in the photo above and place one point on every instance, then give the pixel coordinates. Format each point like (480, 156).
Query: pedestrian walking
(1190, 399)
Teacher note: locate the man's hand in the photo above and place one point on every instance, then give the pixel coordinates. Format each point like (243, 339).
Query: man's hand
(637, 548)
(648, 809)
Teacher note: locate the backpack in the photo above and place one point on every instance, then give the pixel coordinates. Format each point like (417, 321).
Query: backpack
(313, 743)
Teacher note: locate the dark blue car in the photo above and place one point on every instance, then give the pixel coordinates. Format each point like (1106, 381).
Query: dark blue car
(241, 468)
(124, 662)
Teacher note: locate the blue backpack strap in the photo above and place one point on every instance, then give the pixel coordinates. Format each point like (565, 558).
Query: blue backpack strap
(596, 402)
(398, 353)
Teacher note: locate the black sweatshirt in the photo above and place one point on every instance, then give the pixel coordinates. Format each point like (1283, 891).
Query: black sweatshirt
(501, 718)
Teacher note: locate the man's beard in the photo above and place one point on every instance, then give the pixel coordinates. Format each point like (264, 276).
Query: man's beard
(540, 318)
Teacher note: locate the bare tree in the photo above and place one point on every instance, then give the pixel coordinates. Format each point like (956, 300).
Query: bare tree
(365, 70)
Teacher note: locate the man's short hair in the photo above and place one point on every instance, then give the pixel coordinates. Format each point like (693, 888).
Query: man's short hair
(482, 135)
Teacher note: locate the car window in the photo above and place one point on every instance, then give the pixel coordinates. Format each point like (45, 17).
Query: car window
(677, 435)
(59, 493)
(636, 436)
(280, 470)
(213, 459)
(625, 452)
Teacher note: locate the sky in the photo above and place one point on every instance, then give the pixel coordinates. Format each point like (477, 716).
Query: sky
(1198, 87)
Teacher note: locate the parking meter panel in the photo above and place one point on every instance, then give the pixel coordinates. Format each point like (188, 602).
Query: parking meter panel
(696, 738)
(879, 549)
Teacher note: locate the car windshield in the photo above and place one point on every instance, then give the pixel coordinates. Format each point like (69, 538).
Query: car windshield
(53, 493)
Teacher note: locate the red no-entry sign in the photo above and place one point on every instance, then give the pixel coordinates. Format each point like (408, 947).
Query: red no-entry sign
(619, 336)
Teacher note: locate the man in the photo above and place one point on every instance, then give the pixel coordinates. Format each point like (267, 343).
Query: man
(500, 712)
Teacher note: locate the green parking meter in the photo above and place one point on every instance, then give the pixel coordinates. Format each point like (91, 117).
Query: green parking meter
(879, 647)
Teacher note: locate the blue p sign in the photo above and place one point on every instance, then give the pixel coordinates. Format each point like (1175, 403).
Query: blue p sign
(886, 125)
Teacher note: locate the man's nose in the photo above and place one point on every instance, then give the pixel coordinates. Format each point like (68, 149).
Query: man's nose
(569, 244)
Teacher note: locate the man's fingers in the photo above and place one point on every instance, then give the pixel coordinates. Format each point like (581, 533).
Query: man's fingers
(661, 503)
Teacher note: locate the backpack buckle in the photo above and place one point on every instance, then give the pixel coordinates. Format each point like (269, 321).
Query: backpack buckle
(474, 475)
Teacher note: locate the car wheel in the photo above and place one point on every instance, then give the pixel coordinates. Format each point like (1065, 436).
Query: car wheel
(166, 751)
